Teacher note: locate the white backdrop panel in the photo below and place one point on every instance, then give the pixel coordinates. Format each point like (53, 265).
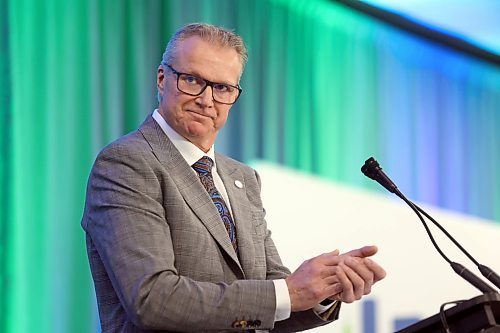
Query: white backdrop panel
(309, 216)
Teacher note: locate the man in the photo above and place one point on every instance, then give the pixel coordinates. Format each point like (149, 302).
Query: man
(176, 235)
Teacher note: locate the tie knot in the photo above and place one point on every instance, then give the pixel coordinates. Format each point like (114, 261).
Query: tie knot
(203, 165)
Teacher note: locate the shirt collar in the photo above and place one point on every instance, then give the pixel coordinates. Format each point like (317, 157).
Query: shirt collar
(188, 150)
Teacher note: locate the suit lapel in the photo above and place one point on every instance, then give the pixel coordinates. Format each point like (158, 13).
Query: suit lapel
(241, 210)
(188, 184)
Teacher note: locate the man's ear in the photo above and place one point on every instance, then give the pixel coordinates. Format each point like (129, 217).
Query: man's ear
(160, 78)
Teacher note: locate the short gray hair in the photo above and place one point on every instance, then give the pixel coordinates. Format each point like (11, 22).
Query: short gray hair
(207, 32)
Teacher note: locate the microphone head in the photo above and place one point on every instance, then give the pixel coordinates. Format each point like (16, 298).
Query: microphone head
(371, 168)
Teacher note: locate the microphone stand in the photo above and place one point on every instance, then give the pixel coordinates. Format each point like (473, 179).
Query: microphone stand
(372, 170)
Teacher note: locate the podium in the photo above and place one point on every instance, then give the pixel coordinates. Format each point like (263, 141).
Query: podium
(480, 314)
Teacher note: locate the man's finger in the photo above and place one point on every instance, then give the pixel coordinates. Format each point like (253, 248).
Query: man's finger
(334, 289)
(328, 271)
(360, 268)
(365, 251)
(330, 258)
(332, 279)
(347, 294)
(357, 282)
(378, 272)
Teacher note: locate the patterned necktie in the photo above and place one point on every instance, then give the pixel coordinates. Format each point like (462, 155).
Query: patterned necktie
(204, 169)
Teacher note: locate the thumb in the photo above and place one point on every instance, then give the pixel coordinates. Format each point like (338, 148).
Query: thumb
(335, 252)
(363, 252)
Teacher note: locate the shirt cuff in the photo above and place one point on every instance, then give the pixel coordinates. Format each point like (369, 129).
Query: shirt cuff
(322, 308)
(332, 313)
(283, 303)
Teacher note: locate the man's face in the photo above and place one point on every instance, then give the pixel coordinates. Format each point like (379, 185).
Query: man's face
(197, 118)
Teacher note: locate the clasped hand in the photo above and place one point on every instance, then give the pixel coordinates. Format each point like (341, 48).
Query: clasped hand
(343, 277)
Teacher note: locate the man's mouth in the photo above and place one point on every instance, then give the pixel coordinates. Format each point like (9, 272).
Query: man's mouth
(201, 114)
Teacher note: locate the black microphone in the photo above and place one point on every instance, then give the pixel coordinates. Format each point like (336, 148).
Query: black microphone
(372, 170)
(485, 270)
(472, 278)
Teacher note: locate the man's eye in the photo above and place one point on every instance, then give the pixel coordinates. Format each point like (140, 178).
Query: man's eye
(191, 79)
(222, 87)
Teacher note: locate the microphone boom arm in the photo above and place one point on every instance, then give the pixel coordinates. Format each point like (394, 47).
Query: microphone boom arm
(372, 170)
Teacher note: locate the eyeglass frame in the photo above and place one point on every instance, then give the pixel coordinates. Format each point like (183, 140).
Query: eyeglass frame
(207, 84)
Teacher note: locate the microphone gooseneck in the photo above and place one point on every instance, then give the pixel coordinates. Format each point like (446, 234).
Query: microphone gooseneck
(485, 270)
(372, 170)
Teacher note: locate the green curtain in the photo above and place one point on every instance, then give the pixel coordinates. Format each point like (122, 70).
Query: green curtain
(325, 87)
(82, 74)
(5, 125)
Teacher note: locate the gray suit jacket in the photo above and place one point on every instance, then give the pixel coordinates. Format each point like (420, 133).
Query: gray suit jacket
(159, 254)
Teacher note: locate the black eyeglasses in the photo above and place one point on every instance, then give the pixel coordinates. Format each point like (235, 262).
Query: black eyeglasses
(193, 85)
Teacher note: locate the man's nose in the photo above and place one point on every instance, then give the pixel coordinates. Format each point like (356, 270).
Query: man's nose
(206, 97)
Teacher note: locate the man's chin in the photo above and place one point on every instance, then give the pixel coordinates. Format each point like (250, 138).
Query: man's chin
(200, 134)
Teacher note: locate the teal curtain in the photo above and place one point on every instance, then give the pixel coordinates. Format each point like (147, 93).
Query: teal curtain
(5, 126)
(81, 74)
(325, 87)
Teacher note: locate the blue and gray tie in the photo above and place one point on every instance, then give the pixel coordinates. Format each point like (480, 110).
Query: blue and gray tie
(204, 169)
